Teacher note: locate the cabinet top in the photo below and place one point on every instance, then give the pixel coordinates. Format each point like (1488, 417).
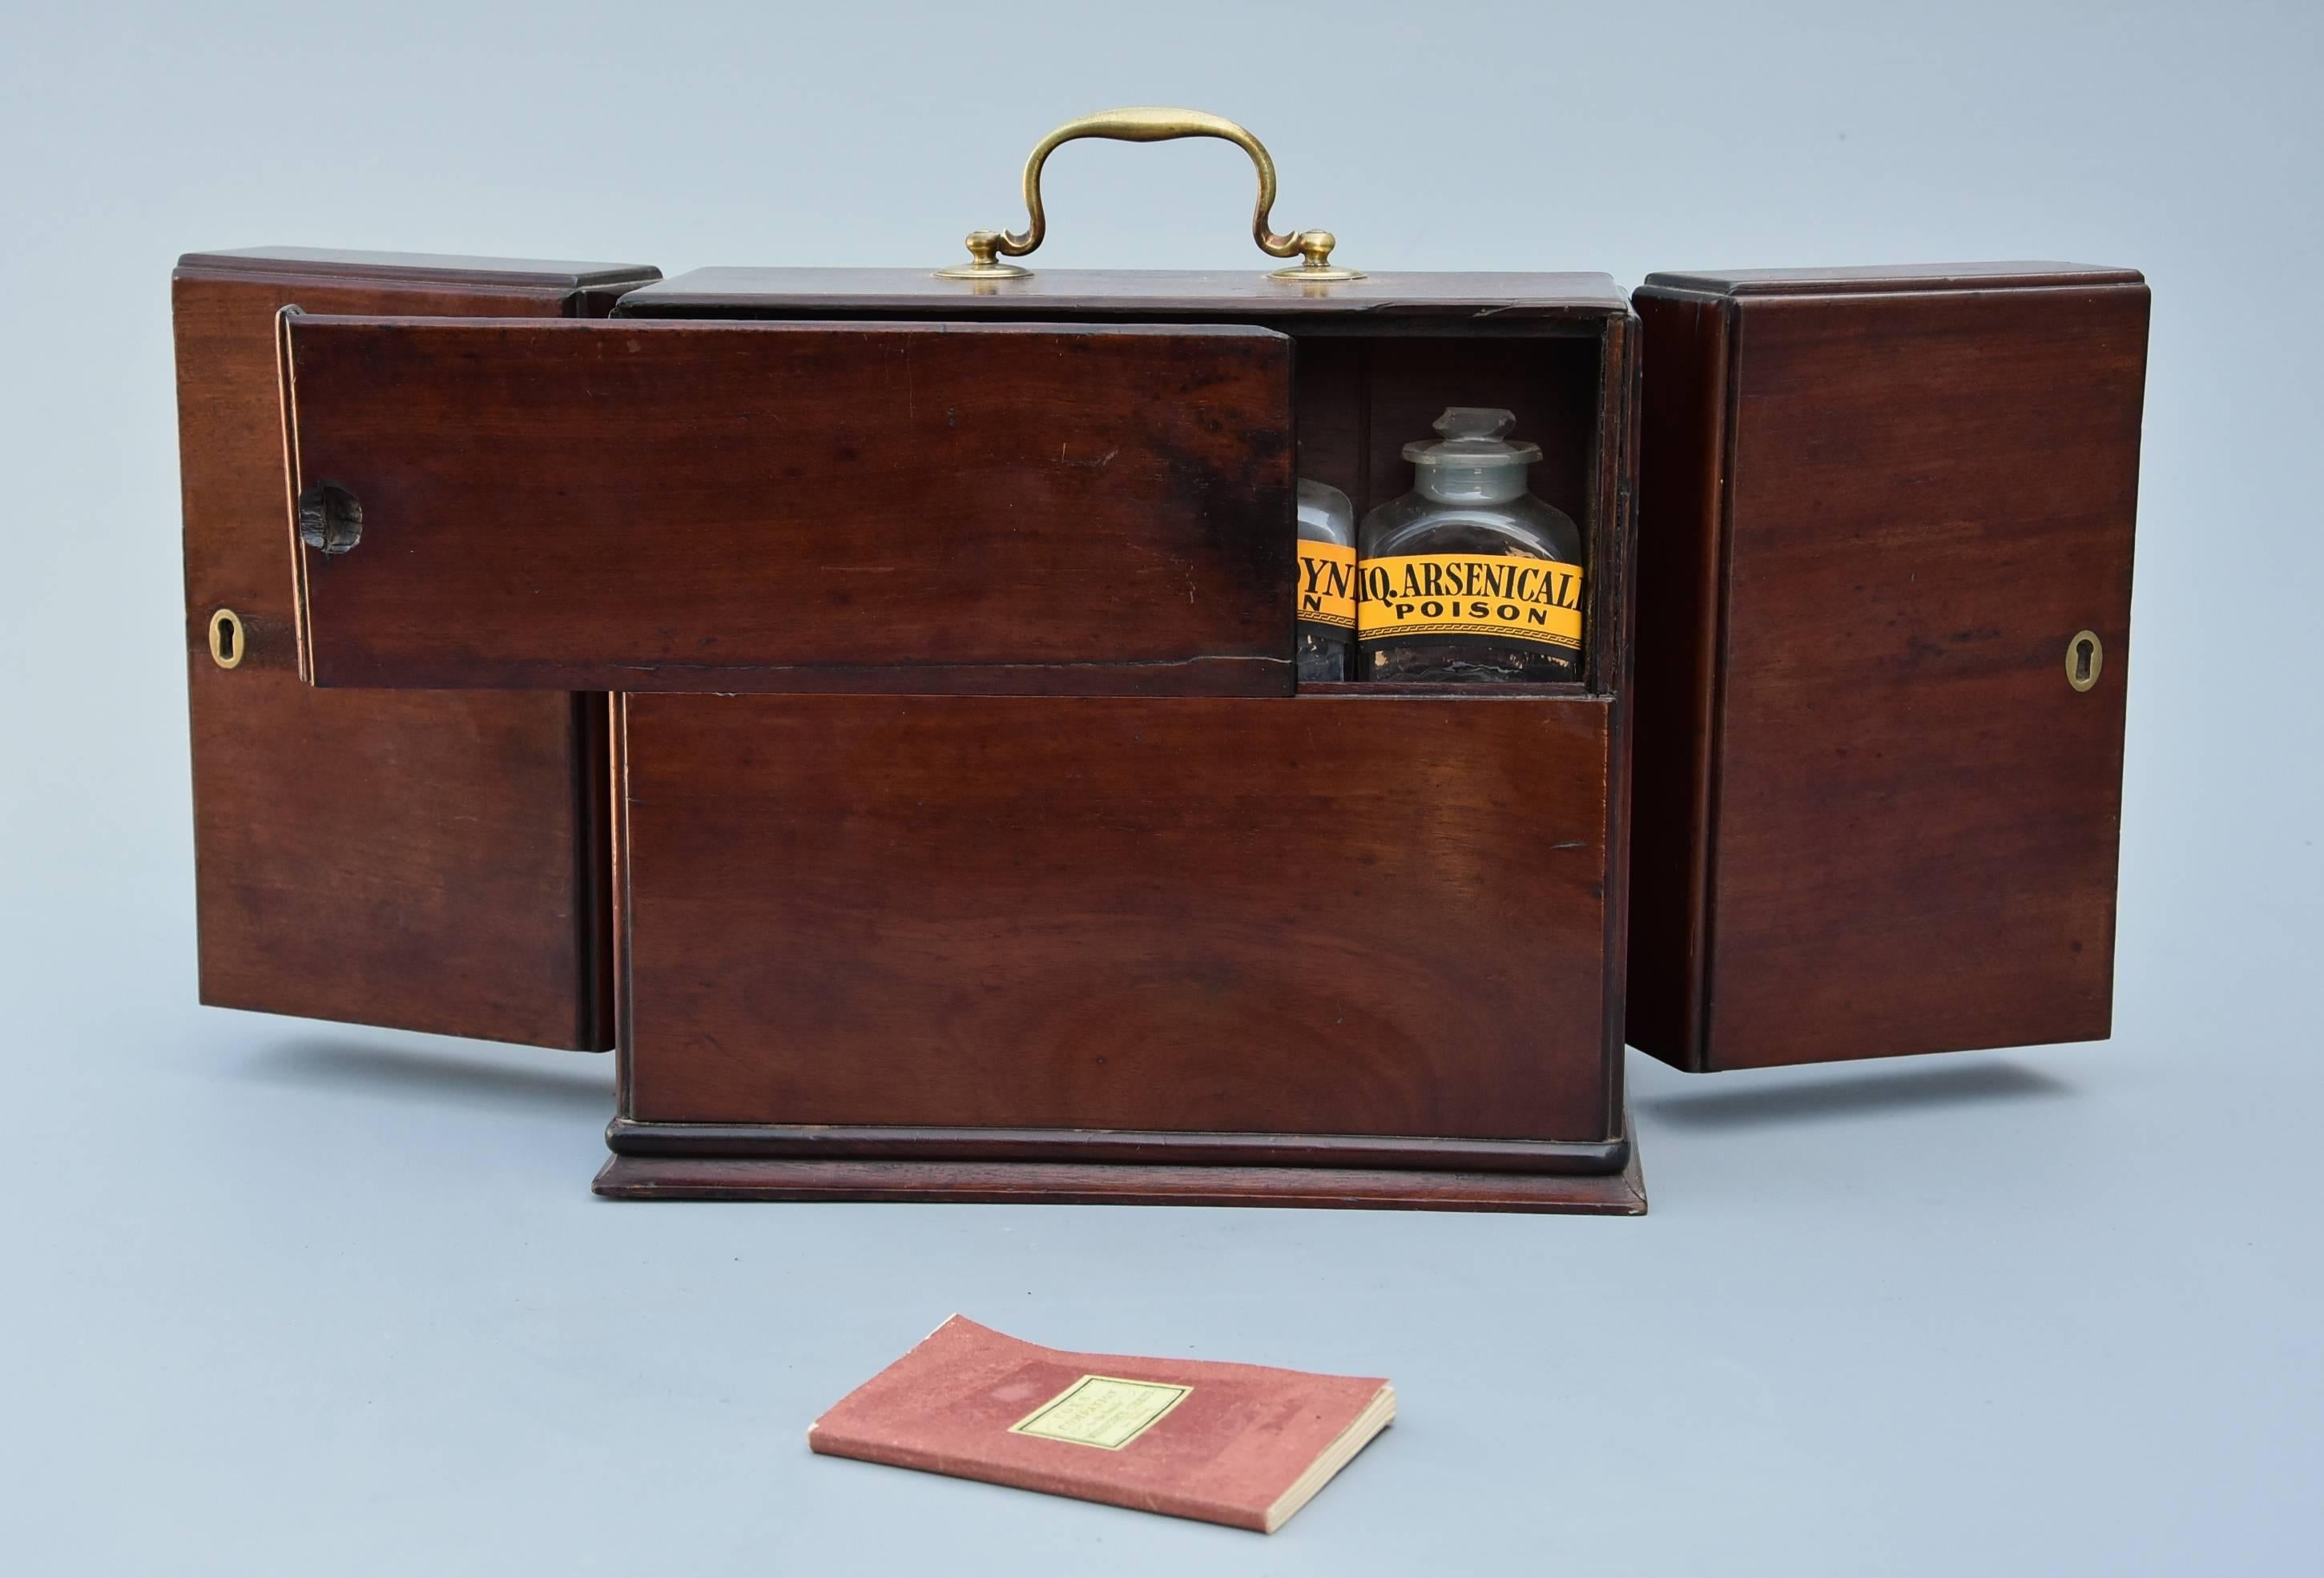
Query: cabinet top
(1146, 292)
(553, 274)
(1890, 277)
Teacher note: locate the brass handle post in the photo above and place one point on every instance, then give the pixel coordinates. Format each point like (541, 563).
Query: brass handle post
(1150, 124)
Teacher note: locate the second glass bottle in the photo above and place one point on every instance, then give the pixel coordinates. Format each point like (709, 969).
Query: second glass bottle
(1469, 578)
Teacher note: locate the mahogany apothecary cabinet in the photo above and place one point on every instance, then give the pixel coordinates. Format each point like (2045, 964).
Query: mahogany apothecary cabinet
(863, 699)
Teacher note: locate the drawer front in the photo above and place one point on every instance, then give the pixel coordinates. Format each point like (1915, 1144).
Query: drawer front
(933, 508)
(1320, 915)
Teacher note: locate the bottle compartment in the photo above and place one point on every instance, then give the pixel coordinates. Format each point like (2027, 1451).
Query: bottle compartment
(1358, 399)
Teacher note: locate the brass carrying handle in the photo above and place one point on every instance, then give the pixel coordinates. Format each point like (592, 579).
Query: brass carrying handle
(1150, 124)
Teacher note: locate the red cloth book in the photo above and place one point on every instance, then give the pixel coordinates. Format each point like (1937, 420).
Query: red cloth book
(1234, 1444)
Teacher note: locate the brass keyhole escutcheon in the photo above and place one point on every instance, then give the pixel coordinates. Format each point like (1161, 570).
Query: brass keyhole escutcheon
(228, 639)
(2085, 655)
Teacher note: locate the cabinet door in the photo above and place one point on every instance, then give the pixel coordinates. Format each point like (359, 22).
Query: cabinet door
(427, 862)
(1884, 627)
(936, 508)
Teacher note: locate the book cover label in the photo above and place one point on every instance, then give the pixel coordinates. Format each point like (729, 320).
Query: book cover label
(1103, 1410)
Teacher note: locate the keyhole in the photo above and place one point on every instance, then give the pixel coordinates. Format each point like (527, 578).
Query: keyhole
(2084, 657)
(227, 643)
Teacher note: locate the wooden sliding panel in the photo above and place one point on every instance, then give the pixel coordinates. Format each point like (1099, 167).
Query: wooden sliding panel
(425, 860)
(942, 919)
(931, 509)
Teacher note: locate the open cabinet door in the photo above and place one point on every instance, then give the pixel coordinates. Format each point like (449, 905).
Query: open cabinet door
(424, 860)
(1885, 536)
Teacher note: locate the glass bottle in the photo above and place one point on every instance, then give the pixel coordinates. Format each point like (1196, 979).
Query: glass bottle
(1470, 577)
(1327, 580)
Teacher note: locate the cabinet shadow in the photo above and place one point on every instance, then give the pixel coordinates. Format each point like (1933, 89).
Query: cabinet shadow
(369, 1072)
(1854, 1093)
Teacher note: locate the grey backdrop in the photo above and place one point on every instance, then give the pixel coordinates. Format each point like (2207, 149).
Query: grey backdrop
(287, 1297)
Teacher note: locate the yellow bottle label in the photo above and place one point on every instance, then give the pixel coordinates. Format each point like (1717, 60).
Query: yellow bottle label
(1327, 585)
(1466, 594)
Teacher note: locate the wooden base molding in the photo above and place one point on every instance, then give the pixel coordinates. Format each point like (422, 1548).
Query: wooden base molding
(1112, 1146)
(665, 1177)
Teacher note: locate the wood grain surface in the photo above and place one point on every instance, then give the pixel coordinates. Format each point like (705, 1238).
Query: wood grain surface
(733, 507)
(1907, 817)
(426, 861)
(1321, 916)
